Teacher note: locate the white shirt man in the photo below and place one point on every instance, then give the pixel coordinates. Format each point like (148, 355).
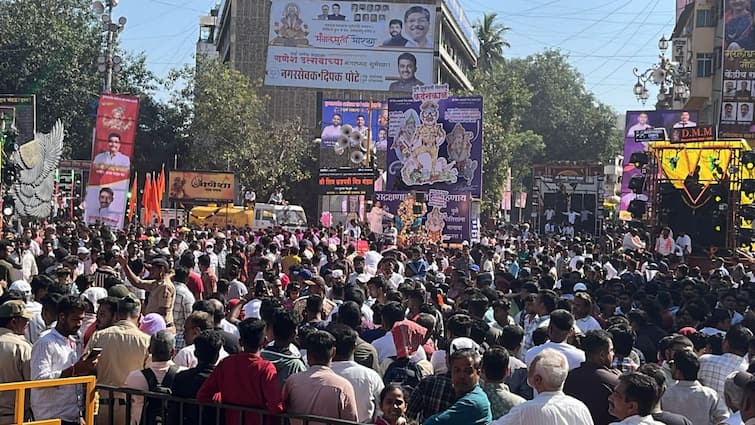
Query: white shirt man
(50, 355)
(28, 265)
(574, 355)
(550, 405)
(366, 382)
(684, 242)
(112, 160)
(186, 357)
(588, 323)
(571, 216)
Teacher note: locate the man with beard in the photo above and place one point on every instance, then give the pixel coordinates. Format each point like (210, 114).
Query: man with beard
(394, 29)
(57, 355)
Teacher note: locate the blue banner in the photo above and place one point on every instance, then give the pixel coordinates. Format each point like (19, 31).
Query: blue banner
(435, 144)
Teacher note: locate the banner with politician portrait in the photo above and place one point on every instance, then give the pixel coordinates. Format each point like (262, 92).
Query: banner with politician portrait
(738, 82)
(419, 218)
(109, 175)
(354, 134)
(670, 121)
(435, 144)
(350, 45)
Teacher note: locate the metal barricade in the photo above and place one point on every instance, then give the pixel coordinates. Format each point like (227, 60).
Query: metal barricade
(20, 389)
(175, 411)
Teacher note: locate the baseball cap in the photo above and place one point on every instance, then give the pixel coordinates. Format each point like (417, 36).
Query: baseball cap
(15, 308)
(160, 262)
(303, 273)
(580, 287)
(20, 286)
(462, 343)
(127, 302)
(94, 294)
(336, 274)
(82, 251)
(118, 291)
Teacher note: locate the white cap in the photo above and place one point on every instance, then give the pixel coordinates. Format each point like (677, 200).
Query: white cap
(94, 294)
(462, 343)
(337, 274)
(82, 250)
(580, 287)
(21, 286)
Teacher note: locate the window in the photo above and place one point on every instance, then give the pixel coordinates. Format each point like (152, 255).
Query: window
(704, 65)
(705, 18)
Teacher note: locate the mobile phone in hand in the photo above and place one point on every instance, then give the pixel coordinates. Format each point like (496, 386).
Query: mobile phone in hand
(96, 351)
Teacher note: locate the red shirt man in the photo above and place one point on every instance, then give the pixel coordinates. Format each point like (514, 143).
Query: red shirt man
(245, 379)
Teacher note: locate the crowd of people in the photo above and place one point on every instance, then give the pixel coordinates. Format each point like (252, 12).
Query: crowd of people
(513, 329)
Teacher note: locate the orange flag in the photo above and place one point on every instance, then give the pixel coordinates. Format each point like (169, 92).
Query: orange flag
(132, 200)
(147, 200)
(161, 184)
(156, 200)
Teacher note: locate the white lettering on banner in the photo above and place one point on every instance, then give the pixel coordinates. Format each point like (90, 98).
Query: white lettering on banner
(354, 44)
(391, 196)
(463, 115)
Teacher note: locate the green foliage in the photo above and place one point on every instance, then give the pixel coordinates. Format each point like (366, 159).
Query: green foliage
(49, 48)
(537, 109)
(492, 40)
(574, 124)
(229, 119)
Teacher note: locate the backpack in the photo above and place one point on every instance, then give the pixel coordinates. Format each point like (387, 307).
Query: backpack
(153, 412)
(403, 372)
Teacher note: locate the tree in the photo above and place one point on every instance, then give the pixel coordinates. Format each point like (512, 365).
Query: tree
(49, 48)
(506, 99)
(230, 129)
(574, 124)
(492, 40)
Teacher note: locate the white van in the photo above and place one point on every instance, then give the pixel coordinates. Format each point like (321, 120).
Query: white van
(289, 217)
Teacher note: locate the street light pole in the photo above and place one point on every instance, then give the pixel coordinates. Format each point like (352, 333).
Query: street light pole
(110, 62)
(670, 77)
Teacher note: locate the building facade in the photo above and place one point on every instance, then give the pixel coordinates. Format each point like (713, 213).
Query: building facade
(241, 40)
(696, 44)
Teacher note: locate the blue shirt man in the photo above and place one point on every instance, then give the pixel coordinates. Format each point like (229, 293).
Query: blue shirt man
(472, 406)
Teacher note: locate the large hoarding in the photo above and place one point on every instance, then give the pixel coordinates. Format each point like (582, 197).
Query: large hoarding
(435, 144)
(738, 82)
(644, 120)
(19, 110)
(350, 45)
(113, 149)
(201, 186)
(442, 217)
(352, 129)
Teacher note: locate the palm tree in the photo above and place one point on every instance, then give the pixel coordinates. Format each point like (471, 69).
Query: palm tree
(492, 40)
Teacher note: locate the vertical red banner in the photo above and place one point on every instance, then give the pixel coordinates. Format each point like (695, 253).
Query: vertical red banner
(111, 160)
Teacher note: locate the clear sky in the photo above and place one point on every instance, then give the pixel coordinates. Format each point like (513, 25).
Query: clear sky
(604, 39)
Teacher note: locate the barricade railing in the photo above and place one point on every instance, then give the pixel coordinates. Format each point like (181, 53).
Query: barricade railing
(21, 387)
(185, 411)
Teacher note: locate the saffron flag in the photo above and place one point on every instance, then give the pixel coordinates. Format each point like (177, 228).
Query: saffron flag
(156, 198)
(132, 200)
(147, 200)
